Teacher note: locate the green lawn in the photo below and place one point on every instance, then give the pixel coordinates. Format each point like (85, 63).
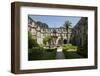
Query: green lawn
(49, 55)
(39, 53)
(70, 52)
(72, 55)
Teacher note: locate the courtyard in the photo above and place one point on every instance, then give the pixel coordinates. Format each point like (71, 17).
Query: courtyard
(63, 42)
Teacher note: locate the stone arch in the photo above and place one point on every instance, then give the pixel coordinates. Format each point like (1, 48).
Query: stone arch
(65, 41)
(59, 41)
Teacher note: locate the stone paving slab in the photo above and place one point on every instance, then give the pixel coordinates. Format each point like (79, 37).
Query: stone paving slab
(60, 54)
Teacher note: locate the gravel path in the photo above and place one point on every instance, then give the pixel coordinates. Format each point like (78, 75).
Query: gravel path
(60, 54)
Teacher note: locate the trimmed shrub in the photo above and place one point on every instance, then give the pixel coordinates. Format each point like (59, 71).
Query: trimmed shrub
(50, 49)
(69, 46)
(39, 53)
(35, 53)
(49, 53)
(70, 51)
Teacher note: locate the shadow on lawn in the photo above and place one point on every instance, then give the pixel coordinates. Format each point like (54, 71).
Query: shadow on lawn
(72, 55)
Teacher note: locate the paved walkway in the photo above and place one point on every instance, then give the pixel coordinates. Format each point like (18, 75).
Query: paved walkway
(59, 54)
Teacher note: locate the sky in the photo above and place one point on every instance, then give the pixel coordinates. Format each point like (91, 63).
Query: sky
(55, 21)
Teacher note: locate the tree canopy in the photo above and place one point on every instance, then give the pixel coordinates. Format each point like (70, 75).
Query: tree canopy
(67, 24)
(31, 41)
(47, 40)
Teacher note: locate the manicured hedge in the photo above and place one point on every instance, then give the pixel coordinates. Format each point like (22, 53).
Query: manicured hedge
(39, 53)
(70, 51)
(71, 55)
(69, 46)
(35, 53)
(50, 49)
(49, 53)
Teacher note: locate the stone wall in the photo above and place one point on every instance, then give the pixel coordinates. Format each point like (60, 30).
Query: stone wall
(79, 32)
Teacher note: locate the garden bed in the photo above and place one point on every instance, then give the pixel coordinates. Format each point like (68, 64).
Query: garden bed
(70, 51)
(39, 53)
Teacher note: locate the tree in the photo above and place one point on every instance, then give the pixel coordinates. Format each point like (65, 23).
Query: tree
(67, 25)
(31, 41)
(47, 40)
